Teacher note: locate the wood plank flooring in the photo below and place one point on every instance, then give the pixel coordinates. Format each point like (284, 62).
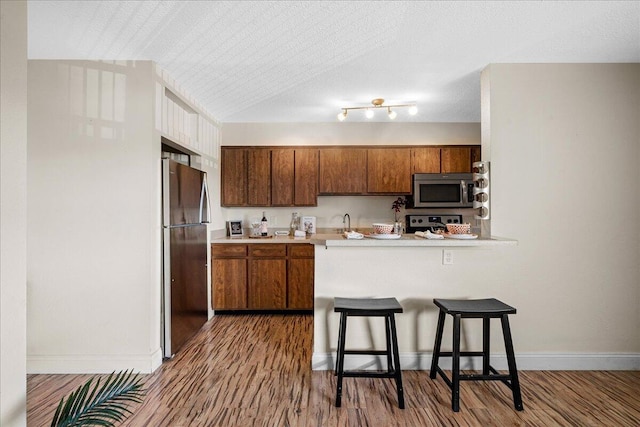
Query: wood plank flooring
(254, 370)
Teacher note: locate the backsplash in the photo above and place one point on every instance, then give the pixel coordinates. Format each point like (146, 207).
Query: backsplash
(363, 211)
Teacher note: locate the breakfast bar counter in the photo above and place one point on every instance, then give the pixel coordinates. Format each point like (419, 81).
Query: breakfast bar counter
(406, 241)
(412, 269)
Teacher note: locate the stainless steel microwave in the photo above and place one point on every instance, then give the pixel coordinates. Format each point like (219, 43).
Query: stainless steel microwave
(435, 190)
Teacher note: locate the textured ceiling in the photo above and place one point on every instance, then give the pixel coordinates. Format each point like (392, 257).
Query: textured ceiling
(295, 61)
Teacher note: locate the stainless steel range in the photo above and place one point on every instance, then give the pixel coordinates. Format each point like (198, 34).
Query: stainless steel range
(431, 222)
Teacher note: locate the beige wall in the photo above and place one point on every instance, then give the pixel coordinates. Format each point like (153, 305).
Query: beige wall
(336, 133)
(564, 143)
(13, 208)
(330, 210)
(93, 226)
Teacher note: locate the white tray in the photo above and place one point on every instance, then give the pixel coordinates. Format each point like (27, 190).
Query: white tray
(383, 236)
(461, 236)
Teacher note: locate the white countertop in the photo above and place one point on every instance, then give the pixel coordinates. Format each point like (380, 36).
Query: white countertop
(249, 240)
(407, 240)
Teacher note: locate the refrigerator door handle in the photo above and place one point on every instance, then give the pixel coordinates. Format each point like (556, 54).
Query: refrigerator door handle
(204, 197)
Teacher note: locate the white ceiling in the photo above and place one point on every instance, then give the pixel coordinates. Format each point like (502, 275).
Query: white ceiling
(296, 61)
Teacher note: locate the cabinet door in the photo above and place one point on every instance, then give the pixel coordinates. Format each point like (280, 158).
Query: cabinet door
(229, 284)
(306, 177)
(267, 283)
(389, 170)
(455, 160)
(282, 177)
(343, 170)
(258, 177)
(234, 177)
(300, 277)
(476, 155)
(425, 160)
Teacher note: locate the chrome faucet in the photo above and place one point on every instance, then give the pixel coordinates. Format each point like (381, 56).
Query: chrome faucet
(344, 222)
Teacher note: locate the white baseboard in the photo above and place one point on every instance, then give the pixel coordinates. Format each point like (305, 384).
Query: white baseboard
(89, 364)
(524, 362)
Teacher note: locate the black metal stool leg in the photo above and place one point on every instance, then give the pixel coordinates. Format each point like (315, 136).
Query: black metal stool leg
(342, 317)
(436, 347)
(486, 343)
(396, 356)
(511, 360)
(455, 368)
(340, 357)
(387, 331)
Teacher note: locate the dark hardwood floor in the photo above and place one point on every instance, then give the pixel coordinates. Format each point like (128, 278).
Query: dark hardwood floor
(254, 370)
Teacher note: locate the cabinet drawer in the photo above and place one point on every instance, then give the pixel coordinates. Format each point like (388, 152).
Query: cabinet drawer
(301, 250)
(224, 250)
(268, 250)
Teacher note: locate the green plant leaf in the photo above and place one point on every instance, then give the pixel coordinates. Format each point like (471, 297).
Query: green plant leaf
(100, 406)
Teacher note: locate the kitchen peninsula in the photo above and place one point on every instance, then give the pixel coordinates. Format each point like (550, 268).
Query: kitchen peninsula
(410, 269)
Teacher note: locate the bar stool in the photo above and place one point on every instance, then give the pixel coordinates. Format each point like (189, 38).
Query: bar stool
(486, 309)
(378, 307)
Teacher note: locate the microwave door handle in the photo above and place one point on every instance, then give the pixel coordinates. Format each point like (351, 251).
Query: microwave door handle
(463, 188)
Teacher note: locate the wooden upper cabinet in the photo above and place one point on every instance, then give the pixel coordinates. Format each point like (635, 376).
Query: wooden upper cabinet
(294, 177)
(455, 160)
(258, 177)
(343, 171)
(389, 170)
(476, 155)
(234, 177)
(306, 177)
(425, 160)
(282, 177)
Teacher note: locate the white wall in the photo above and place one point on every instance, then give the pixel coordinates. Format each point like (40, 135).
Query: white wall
(93, 225)
(13, 210)
(565, 148)
(363, 210)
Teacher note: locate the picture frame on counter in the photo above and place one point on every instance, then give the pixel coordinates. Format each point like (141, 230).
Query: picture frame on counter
(234, 228)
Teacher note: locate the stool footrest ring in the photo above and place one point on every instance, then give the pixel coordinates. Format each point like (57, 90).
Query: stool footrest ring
(366, 374)
(369, 352)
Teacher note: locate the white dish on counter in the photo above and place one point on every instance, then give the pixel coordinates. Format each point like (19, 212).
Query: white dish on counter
(463, 236)
(383, 236)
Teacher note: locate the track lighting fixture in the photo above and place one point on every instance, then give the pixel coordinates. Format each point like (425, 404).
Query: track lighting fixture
(378, 103)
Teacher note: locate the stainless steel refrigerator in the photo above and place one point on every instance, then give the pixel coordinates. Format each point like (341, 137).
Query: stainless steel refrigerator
(185, 214)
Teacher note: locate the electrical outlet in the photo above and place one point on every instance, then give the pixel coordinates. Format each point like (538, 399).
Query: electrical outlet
(447, 257)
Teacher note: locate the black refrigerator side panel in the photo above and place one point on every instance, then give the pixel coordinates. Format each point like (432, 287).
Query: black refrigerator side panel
(188, 284)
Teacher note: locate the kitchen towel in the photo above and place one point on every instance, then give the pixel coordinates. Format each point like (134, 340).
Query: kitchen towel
(429, 235)
(353, 235)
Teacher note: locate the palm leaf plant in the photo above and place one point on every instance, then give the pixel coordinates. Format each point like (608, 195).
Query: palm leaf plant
(100, 406)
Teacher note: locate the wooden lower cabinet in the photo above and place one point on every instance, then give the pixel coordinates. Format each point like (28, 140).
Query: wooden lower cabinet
(267, 276)
(229, 284)
(259, 276)
(300, 274)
